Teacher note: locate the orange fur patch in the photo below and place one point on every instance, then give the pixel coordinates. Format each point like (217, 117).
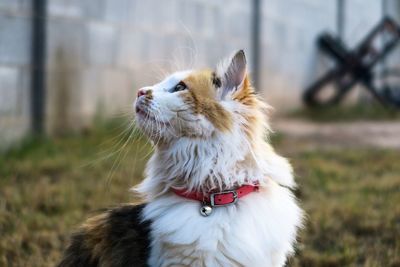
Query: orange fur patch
(255, 118)
(201, 95)
(96, 229)
(246, 94)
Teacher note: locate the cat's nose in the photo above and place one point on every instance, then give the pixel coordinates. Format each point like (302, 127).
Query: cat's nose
(141, 92)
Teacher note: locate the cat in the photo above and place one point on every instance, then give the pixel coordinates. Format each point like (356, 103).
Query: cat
(215, 191)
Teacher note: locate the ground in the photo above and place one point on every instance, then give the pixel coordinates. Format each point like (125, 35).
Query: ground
(47, 187)
(311, 135)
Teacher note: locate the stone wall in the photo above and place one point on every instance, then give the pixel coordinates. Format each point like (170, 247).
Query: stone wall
(100, 51)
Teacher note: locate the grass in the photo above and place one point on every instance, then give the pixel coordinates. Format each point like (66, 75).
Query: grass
(47, 187)
(351, 198)
(366, 111)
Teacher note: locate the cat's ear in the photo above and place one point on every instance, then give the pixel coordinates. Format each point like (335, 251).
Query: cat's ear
(232, 73)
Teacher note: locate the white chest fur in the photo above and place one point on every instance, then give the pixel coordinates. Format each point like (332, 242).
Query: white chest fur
(259, 230)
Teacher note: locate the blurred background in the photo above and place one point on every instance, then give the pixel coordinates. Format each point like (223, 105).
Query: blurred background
(69, 71)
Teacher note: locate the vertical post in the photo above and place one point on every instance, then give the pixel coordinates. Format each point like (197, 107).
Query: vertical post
(38, 65)
(384, 8)
(340, 19)
(383, 65)
(255, 41)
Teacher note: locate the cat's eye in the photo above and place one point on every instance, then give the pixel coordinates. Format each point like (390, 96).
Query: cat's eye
(179, 87)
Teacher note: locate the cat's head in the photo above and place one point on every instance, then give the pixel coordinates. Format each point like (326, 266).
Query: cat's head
(200, 103)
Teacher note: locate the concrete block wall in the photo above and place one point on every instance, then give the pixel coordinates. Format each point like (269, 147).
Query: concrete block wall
(290, 60)
(289, 56)
(15, 35)
(100, 51)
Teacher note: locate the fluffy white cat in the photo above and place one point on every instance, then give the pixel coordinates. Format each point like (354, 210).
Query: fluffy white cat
(216, 193)
(210, 128)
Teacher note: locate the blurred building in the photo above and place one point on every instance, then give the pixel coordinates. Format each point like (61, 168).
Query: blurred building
(98, 52)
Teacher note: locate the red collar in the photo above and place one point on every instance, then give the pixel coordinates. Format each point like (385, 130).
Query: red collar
(218, 198)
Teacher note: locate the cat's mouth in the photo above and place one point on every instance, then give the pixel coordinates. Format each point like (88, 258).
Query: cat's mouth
(141, 112)
(145, 115)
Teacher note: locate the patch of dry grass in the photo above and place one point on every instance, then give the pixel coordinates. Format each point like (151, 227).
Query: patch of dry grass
(352, 199)
(47, 187)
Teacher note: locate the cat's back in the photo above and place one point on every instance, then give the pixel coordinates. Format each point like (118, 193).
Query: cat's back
(117, 237)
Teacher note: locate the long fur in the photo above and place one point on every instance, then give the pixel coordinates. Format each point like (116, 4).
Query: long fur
(210, 132)
(260, 229)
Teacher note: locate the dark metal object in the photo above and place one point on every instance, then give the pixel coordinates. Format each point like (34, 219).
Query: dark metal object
(38, 63)
(356, 66)
(255, 41)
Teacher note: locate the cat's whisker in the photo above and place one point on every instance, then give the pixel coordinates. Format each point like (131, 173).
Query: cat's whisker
(109, 152)
(180, 110)
(147, 125)
(127, 135)
(192, 48)
(117, 161)
(167, 126)
(187, 120)
(122, 112)
(122, 133)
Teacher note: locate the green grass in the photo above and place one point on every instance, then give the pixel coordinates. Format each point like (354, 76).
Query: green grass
(47, 187)
(348, 113)
(352, 200)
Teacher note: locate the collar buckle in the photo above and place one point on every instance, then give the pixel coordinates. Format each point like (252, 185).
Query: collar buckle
(214, 200)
